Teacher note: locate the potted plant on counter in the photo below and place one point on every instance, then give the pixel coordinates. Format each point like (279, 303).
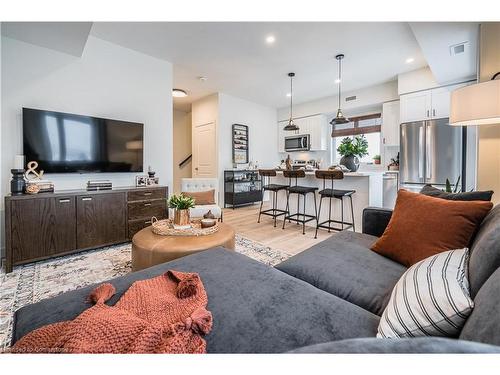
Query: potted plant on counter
(351, 149)
(376, 159)
(181, 205)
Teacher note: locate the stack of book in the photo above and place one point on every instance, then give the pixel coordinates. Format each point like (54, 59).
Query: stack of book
(99, 185)
(44, 185)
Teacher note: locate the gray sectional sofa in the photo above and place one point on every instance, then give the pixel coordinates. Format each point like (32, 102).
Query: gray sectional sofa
(327, 299)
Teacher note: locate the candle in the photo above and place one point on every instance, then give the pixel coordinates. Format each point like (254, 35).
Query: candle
(19, 162)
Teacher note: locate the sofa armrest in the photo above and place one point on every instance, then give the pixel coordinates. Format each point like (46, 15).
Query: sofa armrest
(375, 220)
(408, 345)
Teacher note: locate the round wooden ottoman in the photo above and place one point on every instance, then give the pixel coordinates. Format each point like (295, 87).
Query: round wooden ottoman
(149, 249)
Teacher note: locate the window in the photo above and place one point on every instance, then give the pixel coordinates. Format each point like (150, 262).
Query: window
(369, 126)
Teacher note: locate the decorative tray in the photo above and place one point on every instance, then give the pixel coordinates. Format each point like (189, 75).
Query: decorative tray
(166, 228)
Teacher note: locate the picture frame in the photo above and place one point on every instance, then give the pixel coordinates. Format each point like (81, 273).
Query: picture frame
(152, 181)
(141, 180)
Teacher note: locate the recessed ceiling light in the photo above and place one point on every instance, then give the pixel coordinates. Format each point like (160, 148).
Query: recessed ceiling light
(409, 60)
(270, 39)
(337, 80)
(288, 94)
(178, 93)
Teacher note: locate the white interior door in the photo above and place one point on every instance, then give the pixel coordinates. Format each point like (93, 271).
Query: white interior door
(204, 150)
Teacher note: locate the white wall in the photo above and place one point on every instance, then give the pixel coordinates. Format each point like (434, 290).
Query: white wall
(368, 100)
(416, 80)
(107, 81)
(182, 148)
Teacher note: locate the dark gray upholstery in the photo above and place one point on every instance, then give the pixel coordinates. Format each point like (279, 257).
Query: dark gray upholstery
(411, 345)
(483, 324)
(464, 196)
(375, 220)
(344, 265)
(256, 309)
(485, 251)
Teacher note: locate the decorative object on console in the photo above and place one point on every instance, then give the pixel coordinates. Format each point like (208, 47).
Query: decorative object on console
(352, 148)
(151, 181)
(431, 298)
(464, 196)
(240, 144)
(99, 185)
(32, 189)
(35, 178)
(141, 180)
(181, 205)
(151, 173)
(422, 226)
(291, 126)
(17, 184)
(339, 117)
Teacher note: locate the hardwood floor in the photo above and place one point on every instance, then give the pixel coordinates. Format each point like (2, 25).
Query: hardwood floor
(290, 240)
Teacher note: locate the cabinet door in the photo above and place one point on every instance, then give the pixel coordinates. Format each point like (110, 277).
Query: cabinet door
(281, 136)
(441, 102)
(33, 229)
(415, 106)
(318, 129)
(390, 123)
(101, 219)
(65, 209)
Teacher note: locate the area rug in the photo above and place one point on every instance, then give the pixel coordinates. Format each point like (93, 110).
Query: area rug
(36, 281)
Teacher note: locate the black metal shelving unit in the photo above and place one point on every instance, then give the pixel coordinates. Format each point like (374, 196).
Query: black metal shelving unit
(242, 187)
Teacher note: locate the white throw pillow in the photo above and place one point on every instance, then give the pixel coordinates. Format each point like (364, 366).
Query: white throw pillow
(430, 299)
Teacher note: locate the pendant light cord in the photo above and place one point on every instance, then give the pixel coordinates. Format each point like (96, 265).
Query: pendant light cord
(340, 78)
(291, 96)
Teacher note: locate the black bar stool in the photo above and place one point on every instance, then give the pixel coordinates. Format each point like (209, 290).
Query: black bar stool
(300, 191)
(274, 212)
(330, 193)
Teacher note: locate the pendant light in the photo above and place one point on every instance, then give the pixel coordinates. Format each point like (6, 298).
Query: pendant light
(339, 118)
(290, 126)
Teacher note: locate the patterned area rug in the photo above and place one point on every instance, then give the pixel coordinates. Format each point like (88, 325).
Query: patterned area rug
(36, 281)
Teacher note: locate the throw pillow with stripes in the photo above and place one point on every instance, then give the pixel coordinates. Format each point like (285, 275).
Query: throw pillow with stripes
(430, 299)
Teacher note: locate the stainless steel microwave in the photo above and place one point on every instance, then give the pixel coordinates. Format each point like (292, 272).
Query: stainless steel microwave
(297, 143)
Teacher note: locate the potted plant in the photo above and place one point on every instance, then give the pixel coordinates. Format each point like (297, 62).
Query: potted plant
(351, 149)
(181, 205)
(376, 159)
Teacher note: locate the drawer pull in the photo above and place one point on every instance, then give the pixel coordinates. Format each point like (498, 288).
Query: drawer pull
(64, 200)
(148, 193)
(87, 199)
(147, 204)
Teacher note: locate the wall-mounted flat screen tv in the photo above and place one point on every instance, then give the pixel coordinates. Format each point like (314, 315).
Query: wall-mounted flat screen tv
(69, 143)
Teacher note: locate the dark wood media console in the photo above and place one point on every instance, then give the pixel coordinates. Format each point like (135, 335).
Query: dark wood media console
(51, 224)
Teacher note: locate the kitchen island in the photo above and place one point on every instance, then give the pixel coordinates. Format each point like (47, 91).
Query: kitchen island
(368, 187)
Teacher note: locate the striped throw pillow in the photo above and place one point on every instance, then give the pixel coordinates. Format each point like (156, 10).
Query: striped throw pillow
(430, 299)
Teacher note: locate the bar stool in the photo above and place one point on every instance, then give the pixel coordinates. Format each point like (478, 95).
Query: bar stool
(330, 193)
(274, 212)
(300, 191)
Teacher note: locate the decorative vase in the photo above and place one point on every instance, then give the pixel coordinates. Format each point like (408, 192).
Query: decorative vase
(351, 162)
(17, 184)
(181, 217)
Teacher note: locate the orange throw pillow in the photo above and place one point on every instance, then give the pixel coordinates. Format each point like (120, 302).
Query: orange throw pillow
(201, 197)
(422, 226)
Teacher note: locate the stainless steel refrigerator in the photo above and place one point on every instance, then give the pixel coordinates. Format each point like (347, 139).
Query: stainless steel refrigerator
(431, 152)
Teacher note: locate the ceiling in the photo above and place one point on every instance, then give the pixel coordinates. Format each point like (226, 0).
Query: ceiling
(236, 60)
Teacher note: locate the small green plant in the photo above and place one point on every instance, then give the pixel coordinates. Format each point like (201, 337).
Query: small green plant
(180, 202)
(376, 157)
(357, 146)
(448, 187)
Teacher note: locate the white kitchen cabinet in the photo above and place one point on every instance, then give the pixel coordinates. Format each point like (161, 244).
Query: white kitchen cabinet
(317, 128)
(390, 123)
(428, 104)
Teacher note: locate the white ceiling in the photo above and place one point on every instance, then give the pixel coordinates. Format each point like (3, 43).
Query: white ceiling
(67, 37)
(236, 60)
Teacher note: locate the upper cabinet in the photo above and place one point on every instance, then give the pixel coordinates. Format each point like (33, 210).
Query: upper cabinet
(316, 126)
(390, 123)
(427, 105)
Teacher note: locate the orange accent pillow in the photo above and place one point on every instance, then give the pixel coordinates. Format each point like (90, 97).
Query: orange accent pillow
(422, 226)
(201, 197)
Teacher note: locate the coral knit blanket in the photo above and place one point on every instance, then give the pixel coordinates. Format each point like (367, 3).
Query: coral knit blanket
(165, 314)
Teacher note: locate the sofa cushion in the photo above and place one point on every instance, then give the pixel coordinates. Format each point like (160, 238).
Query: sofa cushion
(400, 346)
(422, 226)
(485, 251)
(464, 196)
(201, 198)
(255, 308)
(483, 324)
(345, 266)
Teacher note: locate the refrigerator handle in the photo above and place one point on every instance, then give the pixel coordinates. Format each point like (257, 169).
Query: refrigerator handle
(421, 152)
(428, 152)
